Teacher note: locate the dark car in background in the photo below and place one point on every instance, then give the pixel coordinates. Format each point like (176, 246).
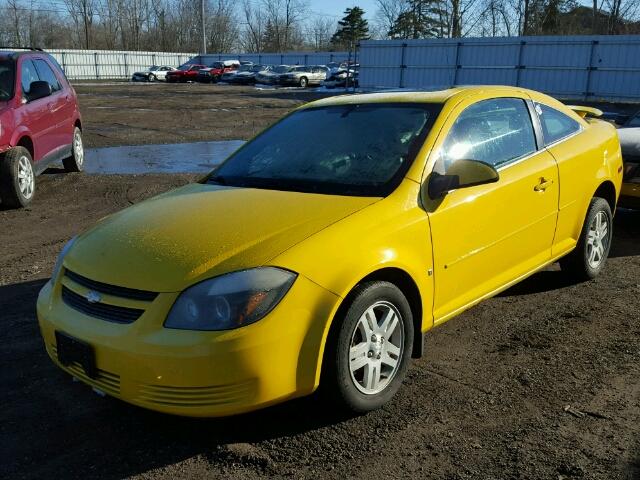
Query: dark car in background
(213, 73)
(271, 76)
(248, 76)
(40, 123)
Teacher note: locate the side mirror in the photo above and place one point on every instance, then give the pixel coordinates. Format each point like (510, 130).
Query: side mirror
(462, 174)
(38, 89)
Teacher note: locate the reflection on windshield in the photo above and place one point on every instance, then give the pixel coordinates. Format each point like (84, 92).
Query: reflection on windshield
(7, 79)
(282, 69)
(342, 150)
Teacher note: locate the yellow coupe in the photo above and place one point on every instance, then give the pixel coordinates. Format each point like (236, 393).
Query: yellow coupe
(319, 253)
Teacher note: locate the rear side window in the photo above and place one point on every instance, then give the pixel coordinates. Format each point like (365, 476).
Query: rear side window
(28, 75)
(555, 125)
(46, 74)
(497, 132)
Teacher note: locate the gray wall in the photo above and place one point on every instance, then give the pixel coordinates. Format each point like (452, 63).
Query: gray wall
(579, 67)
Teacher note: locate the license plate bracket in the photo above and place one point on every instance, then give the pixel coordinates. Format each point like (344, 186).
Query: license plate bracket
(71, 350)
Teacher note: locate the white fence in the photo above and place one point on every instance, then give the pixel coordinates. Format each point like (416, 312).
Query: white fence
(579, 67)
(105, 64)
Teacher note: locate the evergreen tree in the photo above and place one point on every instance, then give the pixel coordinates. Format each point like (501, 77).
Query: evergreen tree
(352, 28)
(422, 19)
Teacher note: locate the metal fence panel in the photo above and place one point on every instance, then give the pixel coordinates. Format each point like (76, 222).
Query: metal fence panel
(572, 67)
(105, 64)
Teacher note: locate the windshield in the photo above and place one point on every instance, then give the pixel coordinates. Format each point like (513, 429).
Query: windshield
(282, 69)
(7, 79)
(245, 68)
(257, 68)
(300, 69)
(153, 68)
(362, 150)
(185, 67)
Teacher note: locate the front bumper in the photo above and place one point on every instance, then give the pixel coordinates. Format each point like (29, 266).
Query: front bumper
(198, 373)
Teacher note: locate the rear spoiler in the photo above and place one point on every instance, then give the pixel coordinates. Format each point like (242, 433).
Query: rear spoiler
(586, 111)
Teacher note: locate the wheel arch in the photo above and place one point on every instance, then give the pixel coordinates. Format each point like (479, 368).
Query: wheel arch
(607, 191)
(405, 282)
(26, 142)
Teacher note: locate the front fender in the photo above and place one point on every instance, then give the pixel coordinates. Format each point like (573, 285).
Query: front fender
(391, 233)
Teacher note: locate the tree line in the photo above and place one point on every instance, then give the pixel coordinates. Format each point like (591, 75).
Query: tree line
(287, 25)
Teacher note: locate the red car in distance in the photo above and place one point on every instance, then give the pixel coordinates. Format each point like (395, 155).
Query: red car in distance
(184, 73)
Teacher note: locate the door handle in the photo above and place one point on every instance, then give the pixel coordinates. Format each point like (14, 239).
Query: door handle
(543, 185)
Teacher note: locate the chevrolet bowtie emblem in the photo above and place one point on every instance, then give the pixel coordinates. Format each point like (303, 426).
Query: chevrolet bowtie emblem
(93, 297)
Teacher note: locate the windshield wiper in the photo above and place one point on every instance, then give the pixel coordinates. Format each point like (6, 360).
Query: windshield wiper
(219, 179)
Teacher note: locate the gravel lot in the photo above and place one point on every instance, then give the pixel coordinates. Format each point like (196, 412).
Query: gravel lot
(488, 400)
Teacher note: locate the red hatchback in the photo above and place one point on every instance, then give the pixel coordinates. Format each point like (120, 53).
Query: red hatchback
(39, 123)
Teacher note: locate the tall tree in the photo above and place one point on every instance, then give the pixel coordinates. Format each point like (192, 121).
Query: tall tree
(351, 29)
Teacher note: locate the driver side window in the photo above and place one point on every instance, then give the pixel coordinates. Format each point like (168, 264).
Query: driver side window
(496, 132)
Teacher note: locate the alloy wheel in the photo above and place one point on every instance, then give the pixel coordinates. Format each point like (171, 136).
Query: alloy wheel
(597, 239)
(376, 348)
(26, 179)
(78, 148)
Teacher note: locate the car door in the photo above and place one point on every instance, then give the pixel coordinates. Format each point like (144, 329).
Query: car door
(60, 106)
(488, 236)
(36, 114)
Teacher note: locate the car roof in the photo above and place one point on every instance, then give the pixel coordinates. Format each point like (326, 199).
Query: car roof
(15, 53)
(440, 96)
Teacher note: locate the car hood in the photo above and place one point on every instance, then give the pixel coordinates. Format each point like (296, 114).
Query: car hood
(142, 72)
(199, 231)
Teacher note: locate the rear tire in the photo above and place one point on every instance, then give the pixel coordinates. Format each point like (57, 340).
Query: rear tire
(17, 178)
(75, 163)
(304, 82)
(366, 358)
(587, 260)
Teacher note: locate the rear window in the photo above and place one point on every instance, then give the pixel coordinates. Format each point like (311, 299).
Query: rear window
(7, 79)
(555, 125)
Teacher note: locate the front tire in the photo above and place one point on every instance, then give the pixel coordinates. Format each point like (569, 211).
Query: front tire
(304, 82)
(17, 178)
(368, 353)
(75, 163)
(587, 260)
(152, 77)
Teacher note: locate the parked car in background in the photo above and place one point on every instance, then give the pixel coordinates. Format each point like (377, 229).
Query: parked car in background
(213, 73)
(228, 75)
(342, 77)
(304, 76)
(154, 73)
(40, 123)
(380, 217)
(247, 77)
(184, 73)
(270, 77)
(629, 133)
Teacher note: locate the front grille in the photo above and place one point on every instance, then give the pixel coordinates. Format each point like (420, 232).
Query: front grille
(217, 395)
(106, 381)
(103, 311)
(114, 290)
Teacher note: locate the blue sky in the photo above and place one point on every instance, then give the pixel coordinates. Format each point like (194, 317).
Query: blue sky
(336, 7)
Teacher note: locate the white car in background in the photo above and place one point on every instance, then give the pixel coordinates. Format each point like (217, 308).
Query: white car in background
(153, 73)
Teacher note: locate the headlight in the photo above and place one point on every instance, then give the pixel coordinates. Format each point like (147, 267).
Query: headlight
(230, 301)
(63, 253)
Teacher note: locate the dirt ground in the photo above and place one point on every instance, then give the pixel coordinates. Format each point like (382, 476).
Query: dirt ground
(487, 401)
(134, 114)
